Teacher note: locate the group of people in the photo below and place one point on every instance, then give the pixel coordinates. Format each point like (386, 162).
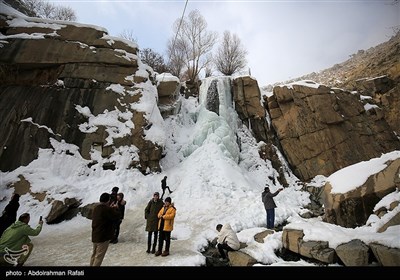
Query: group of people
(107, 216)
(117, 199)
(227, 239)
(159, 217)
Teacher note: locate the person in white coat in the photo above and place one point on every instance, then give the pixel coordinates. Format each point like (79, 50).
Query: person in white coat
(227, 240)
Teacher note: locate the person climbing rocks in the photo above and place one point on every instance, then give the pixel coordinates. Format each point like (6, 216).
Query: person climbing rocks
(164, 186)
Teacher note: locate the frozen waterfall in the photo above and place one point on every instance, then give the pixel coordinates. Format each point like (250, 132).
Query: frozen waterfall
(217, 119)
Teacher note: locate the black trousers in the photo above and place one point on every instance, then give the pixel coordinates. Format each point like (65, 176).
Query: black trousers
(117, 226)
(163, 191)
(149, 239)
(164, 235)
(222, 248)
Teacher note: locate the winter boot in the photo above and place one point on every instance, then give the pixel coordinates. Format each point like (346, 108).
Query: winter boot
(157, 253)
(165, 253)
(148, 244)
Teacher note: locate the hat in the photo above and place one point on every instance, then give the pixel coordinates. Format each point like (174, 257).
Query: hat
(168, 199)
(115, 189)
(157, 193)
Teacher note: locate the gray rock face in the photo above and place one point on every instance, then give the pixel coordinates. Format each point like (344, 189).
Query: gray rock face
(212, 100)
(56, 69)
(353, 253)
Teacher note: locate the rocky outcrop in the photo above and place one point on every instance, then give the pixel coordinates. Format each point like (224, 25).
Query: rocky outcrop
(317, 250)
(353, 208)
(386, 256)
(247, 97)
(59, 209)
(168, 88)
(390, 102)
(251, 110)
(380, 60)
(384, 93)
(352, 253)
(374, 72)
(212, 99)
(322, 130)
(58, 76)
(238, 258)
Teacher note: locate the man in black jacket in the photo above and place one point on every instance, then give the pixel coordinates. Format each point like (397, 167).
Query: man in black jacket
(164, 186)
(103, 220)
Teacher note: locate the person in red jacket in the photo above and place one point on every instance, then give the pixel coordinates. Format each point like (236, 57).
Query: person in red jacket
(166, 217)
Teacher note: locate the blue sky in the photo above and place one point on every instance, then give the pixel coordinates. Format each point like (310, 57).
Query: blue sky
(284, 39)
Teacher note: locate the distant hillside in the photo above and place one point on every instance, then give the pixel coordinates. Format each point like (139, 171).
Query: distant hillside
(376, 61)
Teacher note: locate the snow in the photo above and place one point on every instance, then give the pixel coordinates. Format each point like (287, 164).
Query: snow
(343, 181)
(166, 77)
(214, 180)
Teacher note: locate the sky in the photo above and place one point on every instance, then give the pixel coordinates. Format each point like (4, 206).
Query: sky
(284, 39)
(213, 181)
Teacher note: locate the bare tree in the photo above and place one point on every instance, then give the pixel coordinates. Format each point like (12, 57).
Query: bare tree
(64, 13)
(45, 9)
(231, 55)
(176, 55)
(128, 34)
(34, 6)
(194, 42)
(154, 60)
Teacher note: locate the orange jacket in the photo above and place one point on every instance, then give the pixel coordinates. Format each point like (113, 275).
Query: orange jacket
(168, 217)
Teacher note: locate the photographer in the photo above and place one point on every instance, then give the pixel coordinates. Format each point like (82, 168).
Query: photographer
(15, 244)
(103, 219)
(269, 205)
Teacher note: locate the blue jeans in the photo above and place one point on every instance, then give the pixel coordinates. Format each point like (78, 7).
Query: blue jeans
(270, 218)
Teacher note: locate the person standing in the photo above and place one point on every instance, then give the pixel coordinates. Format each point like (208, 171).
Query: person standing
(10, 213)
(166, 217)
(164, 186)
(121, 209)
(15, 244)
(269, 205)
(103, 219)
(150, 214)
(113, 195)
(227, 240)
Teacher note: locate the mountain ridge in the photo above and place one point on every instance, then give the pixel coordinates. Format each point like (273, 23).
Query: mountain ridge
(381, 60)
